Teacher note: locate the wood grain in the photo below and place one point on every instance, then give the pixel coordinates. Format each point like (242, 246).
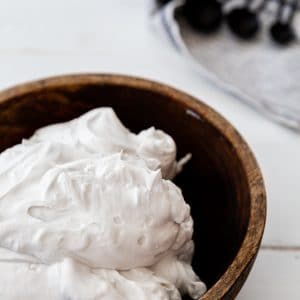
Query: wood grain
(222, 183)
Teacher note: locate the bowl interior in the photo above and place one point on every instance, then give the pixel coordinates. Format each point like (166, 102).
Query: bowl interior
(214, 182)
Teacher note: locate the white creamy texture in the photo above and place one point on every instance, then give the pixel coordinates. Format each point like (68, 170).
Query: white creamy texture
(81, 223)
(100, 131)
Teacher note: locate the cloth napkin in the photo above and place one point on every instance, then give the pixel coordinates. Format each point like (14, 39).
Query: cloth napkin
(259, 73)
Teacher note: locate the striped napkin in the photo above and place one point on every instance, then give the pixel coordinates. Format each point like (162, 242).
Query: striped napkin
(259, 73)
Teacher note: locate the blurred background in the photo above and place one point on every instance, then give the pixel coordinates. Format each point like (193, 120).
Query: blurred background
(153, 40)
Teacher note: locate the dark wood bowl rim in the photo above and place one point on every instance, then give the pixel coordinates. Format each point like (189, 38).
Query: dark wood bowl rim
(252, 240)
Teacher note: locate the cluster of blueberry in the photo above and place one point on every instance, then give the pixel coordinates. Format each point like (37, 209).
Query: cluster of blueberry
(207, 16)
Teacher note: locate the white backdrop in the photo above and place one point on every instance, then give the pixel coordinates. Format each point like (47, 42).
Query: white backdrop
(39, 38)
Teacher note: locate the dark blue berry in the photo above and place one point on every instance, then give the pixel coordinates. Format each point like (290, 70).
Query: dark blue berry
(205, 15)
(282, 33)
(243, 22)
(163, 1)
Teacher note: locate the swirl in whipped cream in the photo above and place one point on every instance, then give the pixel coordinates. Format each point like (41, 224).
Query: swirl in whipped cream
(100, 131)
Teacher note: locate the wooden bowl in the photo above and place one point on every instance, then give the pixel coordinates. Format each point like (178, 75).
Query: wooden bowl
(222, 182)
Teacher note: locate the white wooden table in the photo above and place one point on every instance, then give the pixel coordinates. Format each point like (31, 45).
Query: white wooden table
(39, 38)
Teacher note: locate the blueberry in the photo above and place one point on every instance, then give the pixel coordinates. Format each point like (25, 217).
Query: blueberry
(163, 1)
(204, 15)
(243, 22)
(282, 33)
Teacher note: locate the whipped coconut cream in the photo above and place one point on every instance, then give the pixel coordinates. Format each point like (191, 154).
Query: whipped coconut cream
(100, 132)
(86, 212)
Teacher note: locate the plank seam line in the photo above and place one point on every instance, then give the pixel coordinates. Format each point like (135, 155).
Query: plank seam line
(280, 248)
